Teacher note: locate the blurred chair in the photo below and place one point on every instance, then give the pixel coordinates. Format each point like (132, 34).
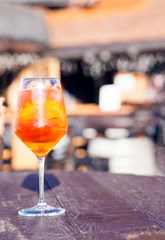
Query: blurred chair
(127, 155)
(2, 129)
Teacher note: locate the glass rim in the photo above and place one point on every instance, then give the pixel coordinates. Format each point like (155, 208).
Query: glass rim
(40, 78)
(26, 81)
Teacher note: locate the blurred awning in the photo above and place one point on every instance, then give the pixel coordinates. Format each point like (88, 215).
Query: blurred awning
(22, 29)
(49, 3)
(128, 25)
(131, 27)
(53, 3)
(23, 26)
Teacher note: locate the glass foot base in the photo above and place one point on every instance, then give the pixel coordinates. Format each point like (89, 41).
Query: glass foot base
(41, 210)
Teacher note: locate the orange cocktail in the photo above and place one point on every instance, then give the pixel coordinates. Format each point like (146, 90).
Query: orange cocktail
(41, 120)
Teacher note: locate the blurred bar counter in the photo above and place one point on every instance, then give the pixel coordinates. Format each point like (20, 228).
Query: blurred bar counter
(94, 110)
(23, 159)
(82, 116)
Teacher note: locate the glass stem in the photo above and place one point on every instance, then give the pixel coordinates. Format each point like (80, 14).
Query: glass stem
(41, 165)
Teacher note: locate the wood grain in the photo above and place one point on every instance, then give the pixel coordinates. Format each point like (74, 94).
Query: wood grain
(99, 206)
(20, 190)
(144, 193)
(99, 213)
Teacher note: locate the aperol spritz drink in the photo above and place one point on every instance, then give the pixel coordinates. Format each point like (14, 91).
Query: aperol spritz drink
(40, 122)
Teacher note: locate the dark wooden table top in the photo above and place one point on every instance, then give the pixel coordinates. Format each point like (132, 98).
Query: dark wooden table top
(99, 206)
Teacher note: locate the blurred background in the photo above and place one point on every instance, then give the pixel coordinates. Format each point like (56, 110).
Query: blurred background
(110, 57)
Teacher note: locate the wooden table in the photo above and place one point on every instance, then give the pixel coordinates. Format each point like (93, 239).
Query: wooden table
(99, 206)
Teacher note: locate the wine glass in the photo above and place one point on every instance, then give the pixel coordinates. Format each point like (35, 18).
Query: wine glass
(40, 122)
